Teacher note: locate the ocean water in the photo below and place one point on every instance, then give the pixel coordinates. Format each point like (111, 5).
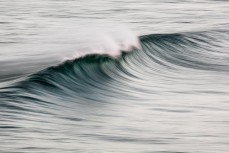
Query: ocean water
(114, 76)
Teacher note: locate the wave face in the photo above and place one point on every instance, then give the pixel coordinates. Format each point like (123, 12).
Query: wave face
(172, 91)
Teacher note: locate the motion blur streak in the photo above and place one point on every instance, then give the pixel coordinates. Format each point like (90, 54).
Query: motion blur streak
(73, 81)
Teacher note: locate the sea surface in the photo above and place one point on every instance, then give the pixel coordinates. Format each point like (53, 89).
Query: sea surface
(114, 76)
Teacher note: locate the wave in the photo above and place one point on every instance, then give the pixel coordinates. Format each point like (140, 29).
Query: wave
(54, 46)
(160, 55)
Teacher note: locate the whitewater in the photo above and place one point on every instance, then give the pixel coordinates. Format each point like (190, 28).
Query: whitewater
(114, 76)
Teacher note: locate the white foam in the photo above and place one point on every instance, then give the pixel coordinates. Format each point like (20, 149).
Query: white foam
(94, 38)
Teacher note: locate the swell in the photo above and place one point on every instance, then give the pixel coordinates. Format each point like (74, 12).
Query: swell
(200, 50)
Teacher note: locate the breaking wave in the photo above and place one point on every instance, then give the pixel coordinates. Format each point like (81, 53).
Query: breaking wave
(165, 55)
